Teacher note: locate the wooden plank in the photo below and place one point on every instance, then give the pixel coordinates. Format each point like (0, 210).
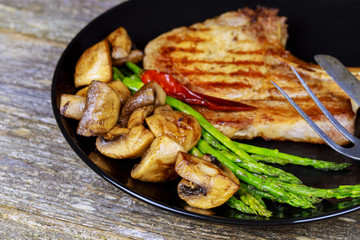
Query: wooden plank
(59, 20)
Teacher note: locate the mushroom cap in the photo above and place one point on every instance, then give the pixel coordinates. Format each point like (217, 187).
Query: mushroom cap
(149, 94)
(82, 92)
(158, 163)
(94, 64)
(139, 115)
(126, 143)
(120, 42)
(119, 87)
(121, 90)
(179, 126)
(101, 110)
(135, 56)
(204, 184)
(72, 106)
(162, 108)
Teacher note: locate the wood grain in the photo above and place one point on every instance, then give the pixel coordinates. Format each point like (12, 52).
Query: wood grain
(46, 191)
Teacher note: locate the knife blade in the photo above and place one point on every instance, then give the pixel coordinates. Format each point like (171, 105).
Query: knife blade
(342, 76)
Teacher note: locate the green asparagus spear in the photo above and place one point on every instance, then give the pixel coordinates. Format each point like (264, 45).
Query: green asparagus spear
(212, 141)
(255, 192)
(133, 67)
(260, 168)
(117, 74)
(253, 203)
(196, 152)
(135, 77)
(274, 156)
(239, 205)
(251, 164)
(343, 191)
(131, 84)
(273, 160)
(247, 177)
(258, 197)
(261, 194)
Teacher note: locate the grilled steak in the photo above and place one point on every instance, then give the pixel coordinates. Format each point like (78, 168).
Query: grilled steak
(235, 56)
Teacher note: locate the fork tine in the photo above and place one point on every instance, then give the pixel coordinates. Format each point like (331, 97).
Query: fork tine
(321, 133)
(324, 110)
(352, 152)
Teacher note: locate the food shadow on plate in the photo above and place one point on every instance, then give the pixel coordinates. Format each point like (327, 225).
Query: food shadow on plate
(121, 169)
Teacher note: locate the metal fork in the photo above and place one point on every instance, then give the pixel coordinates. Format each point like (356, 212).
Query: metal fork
(352, 152)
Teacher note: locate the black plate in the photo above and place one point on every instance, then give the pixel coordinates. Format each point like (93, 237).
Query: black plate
(314, 27)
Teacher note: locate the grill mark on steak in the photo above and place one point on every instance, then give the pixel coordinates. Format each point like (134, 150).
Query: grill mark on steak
(169, 49)
(241, 52)
(192, 61)
(223, 85)
(250, 73)
(179, 39)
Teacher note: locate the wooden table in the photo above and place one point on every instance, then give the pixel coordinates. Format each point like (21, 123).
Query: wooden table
(46, 191)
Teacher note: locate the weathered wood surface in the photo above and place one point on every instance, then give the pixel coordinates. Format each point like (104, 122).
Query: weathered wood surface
(46, 191)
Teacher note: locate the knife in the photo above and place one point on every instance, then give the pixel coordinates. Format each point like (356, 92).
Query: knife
(343, 77)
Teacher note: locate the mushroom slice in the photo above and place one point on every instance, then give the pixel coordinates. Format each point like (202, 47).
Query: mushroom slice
(163, 108)
(132, 143)
(101, 111)
(135, 56)
(119, 87)
(139, 115)
(72, 106)
(94, 64)
(150, 94)
(82, 92)
(120, 42)
(204, 185)
(115, 133)
(121, 90)
(158, 163)
(179, 126)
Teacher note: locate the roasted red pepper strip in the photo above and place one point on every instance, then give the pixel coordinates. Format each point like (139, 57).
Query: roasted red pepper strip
(177, 90)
